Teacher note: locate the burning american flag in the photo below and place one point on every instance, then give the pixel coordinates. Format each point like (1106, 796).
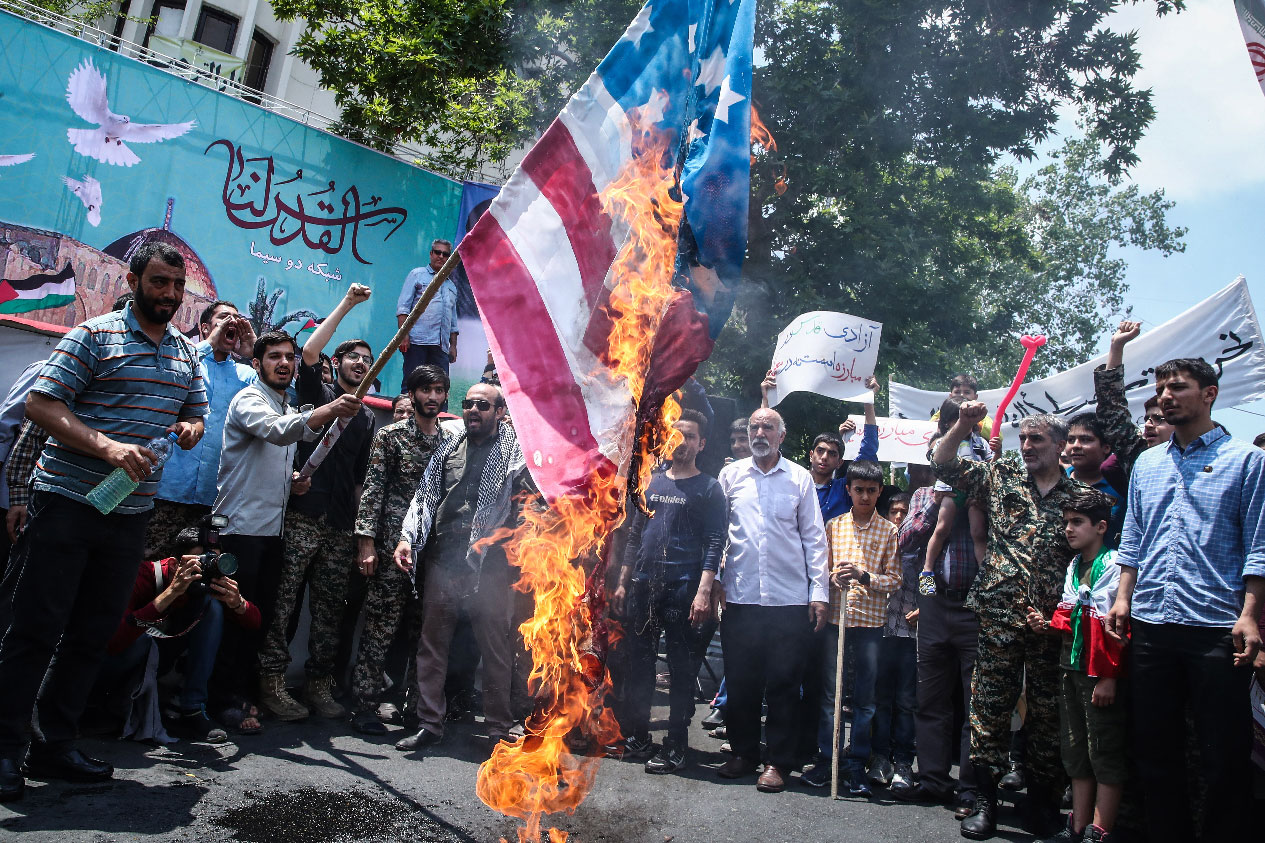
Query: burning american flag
(540, 260)
(603, 272)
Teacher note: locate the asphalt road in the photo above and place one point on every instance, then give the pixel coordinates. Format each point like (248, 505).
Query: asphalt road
(318, 781)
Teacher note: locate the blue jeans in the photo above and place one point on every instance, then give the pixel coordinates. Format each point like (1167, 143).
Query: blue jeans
(722, 695)
(896, 699)
(861, 645)
(203, 643)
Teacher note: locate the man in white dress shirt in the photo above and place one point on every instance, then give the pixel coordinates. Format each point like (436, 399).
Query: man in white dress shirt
(775, 588)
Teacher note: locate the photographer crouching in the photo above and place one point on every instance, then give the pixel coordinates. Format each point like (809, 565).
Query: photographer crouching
(177, 606)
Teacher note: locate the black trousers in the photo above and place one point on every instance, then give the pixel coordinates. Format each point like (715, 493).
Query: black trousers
(258, 576)
(766, 651)
(660, 608)
(1173, 667)
(71, 573)
(948, 640)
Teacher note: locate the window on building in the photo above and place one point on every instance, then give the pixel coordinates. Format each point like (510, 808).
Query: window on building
(258, 59)
(216, 29)
(166, 17)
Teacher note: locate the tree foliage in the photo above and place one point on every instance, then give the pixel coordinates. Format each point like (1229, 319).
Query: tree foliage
(892, 119)
(429, 72)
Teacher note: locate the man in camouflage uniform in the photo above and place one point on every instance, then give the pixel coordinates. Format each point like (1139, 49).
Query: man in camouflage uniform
(318, 528)
(397, 459)
(1027, 559)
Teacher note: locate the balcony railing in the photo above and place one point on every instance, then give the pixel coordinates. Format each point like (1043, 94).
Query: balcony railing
(202, 75)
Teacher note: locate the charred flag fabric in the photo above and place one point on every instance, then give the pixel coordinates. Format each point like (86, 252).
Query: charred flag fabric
(538, 260)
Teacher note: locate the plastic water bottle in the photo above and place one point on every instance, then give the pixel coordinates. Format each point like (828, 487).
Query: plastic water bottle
(115, 488)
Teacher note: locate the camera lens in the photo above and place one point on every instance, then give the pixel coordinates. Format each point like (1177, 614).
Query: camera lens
(228, 564)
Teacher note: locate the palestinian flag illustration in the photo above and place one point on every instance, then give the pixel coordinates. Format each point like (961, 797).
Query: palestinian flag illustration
(305, 333)
(37, 292)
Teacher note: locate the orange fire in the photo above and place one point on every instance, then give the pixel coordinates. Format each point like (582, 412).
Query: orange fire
(539, 774)
(763, 138)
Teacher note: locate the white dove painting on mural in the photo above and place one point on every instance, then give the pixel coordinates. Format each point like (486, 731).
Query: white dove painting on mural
(89, 193)
(108, 143)
(10, 160)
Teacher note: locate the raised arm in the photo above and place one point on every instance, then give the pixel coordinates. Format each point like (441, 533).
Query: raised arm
(324, 332)
(945, 462)
(1112, 405)
(871, 417)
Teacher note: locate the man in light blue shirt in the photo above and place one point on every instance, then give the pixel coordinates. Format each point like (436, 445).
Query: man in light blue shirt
(187, 490)
(433, 338)
(1192, 585)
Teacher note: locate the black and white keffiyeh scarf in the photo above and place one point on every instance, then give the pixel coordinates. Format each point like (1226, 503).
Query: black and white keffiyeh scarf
(495, 489)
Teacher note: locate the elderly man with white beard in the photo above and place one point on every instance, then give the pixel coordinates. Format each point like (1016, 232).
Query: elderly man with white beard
(775, 590)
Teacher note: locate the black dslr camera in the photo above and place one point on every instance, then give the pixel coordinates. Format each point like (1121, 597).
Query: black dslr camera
(213, 564)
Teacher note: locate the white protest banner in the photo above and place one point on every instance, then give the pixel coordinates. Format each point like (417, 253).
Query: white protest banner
(828, 353)
(899, 440)
(1222, 329)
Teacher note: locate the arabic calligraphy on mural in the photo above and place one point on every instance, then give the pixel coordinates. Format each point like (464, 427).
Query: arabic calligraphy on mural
(291, 264)
(325, 220)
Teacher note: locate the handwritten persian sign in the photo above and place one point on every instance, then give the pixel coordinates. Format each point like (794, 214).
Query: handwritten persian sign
(827, 353)
(1222, 329)
(899, 440)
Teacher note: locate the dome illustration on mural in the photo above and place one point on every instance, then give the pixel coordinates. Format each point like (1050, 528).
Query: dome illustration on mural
(199, 288)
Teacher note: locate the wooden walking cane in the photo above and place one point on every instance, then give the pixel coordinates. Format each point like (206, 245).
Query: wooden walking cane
(834, 753)
(336, 430)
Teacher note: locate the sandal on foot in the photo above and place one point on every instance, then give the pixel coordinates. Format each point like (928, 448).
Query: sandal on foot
(239, 718)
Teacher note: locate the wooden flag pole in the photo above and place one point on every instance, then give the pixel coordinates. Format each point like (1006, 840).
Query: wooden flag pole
(834, 752)
(419, 307)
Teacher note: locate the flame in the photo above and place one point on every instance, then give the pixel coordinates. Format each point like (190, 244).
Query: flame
(763, 138)
(568, 634)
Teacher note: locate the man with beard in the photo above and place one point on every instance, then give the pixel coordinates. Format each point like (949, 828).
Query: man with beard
(189, 478)
(1025, 568)
(397, 459)
(775, 590)
(318, 528)
(261, 433)
(465, 496)
(1192, 584)
(665, 587)
(114, 383)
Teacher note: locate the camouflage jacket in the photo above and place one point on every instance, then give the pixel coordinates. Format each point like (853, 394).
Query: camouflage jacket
(1113, 411)
(397, 459)
(1027, 550)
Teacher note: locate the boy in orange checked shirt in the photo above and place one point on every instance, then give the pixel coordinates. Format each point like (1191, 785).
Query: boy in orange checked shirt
(864, 561)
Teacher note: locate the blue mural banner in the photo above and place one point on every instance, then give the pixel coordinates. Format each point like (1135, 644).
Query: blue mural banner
(101, 153)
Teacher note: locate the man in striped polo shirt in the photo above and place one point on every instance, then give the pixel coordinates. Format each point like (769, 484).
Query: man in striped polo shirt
(114, 383)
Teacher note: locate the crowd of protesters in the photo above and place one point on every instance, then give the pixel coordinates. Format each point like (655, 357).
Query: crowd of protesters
(1079, 620)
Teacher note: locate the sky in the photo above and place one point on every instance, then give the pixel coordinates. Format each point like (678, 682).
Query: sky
(1205, 150)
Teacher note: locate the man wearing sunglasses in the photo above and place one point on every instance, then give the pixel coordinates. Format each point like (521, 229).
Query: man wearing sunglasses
(465, 495)
(434, 335)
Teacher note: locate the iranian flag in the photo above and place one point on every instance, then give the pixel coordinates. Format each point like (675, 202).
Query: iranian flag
(38, 292)
(1252, 22)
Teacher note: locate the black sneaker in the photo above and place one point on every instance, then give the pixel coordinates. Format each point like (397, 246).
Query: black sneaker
(818, 775)
(714, 718)
(367, 722)
(197, 726)
(638, 749)
(668, 759)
